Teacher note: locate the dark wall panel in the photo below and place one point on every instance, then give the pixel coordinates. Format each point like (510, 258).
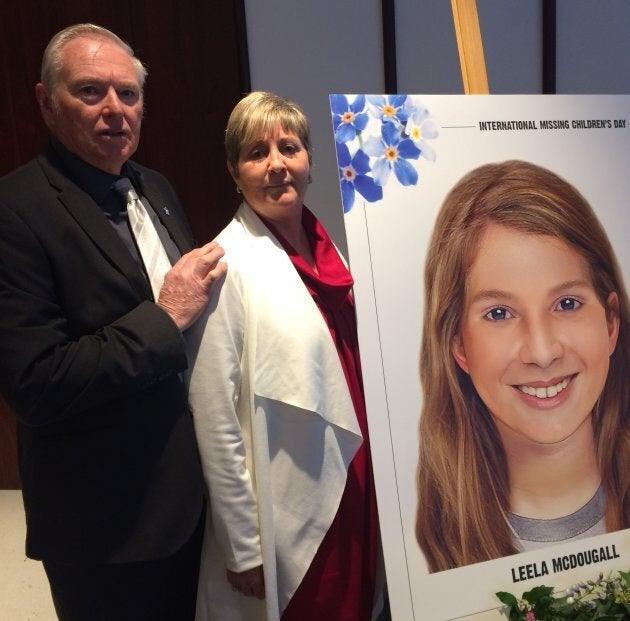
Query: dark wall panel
(197, 62)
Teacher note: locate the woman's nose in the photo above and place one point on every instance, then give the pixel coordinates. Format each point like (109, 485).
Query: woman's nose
(541, 344)
(276, 161)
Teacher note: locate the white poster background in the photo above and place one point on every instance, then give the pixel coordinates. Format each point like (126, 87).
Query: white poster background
(387, 242)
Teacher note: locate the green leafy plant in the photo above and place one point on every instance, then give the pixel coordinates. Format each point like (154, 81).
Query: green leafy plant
(603, 599)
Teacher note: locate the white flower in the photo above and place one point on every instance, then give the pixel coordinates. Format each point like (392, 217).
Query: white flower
(420, 128)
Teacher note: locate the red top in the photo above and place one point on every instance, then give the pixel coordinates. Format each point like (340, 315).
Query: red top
(339, 584)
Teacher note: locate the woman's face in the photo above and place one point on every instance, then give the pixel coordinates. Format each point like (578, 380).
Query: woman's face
(534, 339)
(273, 174)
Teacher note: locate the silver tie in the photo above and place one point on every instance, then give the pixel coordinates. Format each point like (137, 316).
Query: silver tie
(152, 251)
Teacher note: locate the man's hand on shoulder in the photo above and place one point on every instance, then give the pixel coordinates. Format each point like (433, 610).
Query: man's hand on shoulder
(187, 285)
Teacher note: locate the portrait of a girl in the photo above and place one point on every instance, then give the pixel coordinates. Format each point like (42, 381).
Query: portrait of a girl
(525, 356)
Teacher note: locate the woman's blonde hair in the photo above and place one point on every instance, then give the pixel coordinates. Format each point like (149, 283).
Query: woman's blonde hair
(258, 113)
(463, 489)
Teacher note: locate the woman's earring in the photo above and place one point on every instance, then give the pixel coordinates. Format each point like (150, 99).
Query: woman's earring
(238, 190)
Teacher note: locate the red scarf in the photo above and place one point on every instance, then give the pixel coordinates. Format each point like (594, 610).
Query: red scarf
(340, 581)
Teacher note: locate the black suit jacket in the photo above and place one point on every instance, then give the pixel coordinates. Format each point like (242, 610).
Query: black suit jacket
(89, 365)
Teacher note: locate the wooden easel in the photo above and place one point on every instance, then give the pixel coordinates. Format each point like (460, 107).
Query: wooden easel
(470, 48)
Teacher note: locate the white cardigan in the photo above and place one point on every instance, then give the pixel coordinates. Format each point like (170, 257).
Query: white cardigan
(275, 424)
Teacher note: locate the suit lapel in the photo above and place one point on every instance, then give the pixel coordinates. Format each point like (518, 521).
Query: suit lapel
(93, 221)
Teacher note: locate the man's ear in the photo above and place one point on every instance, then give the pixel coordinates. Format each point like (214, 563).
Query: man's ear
(45, 103)
(459, 353)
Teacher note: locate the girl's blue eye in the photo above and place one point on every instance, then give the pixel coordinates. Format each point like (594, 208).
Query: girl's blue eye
(497, 314)
(568, 304)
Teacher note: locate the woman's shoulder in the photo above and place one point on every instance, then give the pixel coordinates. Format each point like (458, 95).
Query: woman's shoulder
(246, 241)
(240, 228)
(234, 237)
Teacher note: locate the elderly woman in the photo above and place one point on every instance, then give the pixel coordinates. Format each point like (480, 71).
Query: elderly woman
(277, 397)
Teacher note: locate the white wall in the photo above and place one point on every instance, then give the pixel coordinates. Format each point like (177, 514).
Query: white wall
(428, 60)
(307, 49)
(426, 48)
(593, 46)
(511, 32)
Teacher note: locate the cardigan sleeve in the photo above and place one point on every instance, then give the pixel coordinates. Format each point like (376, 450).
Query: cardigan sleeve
(220, 412)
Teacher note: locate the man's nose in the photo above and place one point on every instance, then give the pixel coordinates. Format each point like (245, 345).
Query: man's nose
(111, 103)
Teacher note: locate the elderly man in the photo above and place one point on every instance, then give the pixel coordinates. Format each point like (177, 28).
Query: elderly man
(91, 346)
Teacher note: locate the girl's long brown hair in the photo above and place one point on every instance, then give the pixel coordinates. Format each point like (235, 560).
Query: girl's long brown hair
(463, 488)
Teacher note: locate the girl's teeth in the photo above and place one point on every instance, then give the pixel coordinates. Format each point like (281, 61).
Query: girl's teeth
(546, 392)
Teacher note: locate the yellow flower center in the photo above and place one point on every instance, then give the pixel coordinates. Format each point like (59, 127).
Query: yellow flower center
(389, 110)
(416, 134)
(391, 153)
(348, 117)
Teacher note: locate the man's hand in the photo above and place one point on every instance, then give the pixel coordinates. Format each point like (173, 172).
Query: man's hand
(250, 582)
(187, 285)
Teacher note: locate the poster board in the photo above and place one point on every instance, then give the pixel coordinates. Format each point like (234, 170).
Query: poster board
(585, 140)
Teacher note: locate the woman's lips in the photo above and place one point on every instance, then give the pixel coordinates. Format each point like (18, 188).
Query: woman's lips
(278, 185)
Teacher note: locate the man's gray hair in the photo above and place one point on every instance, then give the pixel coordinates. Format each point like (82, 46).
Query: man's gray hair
(51, 61)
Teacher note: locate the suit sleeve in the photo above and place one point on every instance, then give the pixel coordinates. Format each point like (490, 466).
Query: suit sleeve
(58, 361)
(221, 408)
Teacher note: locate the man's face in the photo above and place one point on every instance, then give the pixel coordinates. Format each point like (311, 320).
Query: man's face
(95, 110)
